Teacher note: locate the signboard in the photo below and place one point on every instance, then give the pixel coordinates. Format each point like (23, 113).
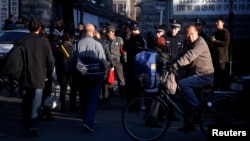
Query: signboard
(209, 7)
(4, 12)
(160, 5)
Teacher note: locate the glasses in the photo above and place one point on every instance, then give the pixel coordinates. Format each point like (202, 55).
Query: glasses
(198, 24)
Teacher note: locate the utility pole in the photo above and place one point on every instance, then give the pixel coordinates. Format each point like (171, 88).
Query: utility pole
(231, 30)
(81, 11)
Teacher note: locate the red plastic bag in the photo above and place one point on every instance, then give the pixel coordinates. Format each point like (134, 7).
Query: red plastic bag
(111, 76)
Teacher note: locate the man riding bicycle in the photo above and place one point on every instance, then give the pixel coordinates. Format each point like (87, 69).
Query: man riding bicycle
(199, 66)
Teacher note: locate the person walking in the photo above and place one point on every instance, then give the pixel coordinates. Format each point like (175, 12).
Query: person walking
(220, 54)
(89, 88)
(40, 60)
(200, 68)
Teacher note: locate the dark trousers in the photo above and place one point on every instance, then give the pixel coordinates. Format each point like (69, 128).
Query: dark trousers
(89, 91)
(31, 107)
(119, 75)
(221, 76)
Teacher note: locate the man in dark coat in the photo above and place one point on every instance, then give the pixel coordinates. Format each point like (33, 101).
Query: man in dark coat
(39, 68)
(220, 54)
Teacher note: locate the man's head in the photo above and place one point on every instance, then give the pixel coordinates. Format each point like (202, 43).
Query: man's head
(135, 29)
(191, 33)
(90, 29)
(175, 26)
(111, 31)
(199, 23)
(34, 26)
(80, 26)
(161, 30)
(103, 26)
(219, 23)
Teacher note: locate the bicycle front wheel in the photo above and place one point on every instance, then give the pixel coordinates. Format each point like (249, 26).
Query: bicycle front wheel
(145, 118)
(220, 112)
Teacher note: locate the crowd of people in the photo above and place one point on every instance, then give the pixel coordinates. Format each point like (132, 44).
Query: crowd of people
(197, 59)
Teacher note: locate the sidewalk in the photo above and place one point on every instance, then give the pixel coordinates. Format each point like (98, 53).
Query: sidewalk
(65, 127)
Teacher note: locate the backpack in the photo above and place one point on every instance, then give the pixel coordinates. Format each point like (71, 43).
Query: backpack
(90, 67)
(145, 68)
(15, 63)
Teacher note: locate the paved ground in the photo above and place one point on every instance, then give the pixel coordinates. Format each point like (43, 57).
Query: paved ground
(67, 126)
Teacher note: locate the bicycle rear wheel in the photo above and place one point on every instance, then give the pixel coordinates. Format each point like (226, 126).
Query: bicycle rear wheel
(220, 113)
(145, 118)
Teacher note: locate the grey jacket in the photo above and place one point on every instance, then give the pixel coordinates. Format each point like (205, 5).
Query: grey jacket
(198, 58)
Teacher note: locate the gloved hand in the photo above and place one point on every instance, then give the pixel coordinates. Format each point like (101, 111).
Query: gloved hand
(171, 68)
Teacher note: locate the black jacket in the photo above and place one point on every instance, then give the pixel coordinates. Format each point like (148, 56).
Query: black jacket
(39, 61)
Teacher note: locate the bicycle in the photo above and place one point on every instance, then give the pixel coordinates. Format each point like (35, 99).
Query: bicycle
(147, 117)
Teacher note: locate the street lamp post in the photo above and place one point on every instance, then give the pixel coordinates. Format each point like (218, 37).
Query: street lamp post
(231, 30)
(160, 6)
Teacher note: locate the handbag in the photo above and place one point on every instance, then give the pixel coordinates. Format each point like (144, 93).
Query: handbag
(111, 76)
(171, 84)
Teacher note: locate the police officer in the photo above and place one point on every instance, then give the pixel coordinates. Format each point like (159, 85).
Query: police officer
(175, 39)
(115, 45)
(134, 45)
(199, 23)
(103, 30)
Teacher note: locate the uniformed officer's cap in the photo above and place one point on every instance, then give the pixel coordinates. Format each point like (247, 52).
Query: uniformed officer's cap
(161, 28)
(199, 21)
(175, 23)
(104, 24)
(111, 28)
(135, 27)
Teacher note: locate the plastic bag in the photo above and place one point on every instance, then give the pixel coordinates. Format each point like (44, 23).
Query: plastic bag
(171, 84)
(50, 102)
(111, 76)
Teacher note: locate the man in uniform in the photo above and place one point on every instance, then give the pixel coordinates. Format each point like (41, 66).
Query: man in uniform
(175, 40)
(199, 23)
(115, 45)
(134, 45)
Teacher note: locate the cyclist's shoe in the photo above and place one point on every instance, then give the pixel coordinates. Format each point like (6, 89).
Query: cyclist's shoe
(153, 124)
(187, 128)
(174, 118)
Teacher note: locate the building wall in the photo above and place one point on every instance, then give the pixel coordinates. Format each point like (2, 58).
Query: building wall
(39, 9)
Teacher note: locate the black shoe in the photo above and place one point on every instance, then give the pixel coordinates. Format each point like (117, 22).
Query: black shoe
(63, 110)
(174, 118)
(31, 134)
(47, 118)
(187, 128)
(87, 128)
(74, 109)
(153, 124)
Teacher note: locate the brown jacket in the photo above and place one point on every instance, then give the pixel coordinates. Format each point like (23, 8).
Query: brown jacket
(198, 58)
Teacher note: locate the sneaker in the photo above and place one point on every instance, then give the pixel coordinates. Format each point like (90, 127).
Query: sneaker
(88, 128)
